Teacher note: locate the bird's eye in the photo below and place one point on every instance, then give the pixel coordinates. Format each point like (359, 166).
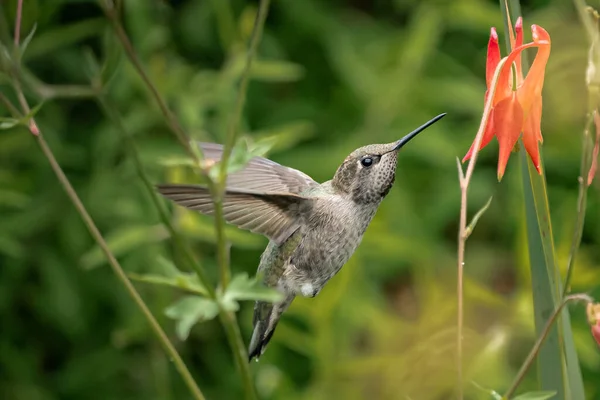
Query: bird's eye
(366, 162)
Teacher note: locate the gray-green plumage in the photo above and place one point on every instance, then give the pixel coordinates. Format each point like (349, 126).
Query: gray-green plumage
(313, 228)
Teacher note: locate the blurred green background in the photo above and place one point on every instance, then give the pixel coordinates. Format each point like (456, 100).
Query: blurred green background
(331, 76)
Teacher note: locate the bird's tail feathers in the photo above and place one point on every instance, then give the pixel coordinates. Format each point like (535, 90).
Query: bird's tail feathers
(266, 317)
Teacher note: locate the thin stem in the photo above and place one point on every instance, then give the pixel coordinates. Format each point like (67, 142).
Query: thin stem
(591, 25)
(241, 95)
(113, 115)
(111, 12)
(591, 30)
(540, 341)
(222, 251)
(118, 270)
(228, 320)
(234, 336)
(116, 267)
(9, 106)
(17, 35)
(581, 203)
(225, 22)
(464, 181)
(87, 219)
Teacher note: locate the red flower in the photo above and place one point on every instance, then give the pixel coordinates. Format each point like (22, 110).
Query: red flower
(596, 151)
(593, 311)
(518, 110)
(596, 332)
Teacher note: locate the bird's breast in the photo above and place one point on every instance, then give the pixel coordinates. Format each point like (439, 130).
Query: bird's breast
(331, 236)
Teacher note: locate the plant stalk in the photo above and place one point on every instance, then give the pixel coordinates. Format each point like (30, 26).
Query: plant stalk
(87, 219)
(227, 319)
(538, 343)
(232, 134)
(464, 180)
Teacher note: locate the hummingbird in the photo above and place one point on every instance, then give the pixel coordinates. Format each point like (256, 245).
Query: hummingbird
(313, 228)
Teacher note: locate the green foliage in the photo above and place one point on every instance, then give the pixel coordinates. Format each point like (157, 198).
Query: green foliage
(535, 396)
(189, 311)
(330, 76)
(244, 288)
(172, 277)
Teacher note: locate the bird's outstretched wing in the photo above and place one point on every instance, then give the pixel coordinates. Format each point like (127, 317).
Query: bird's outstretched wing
(274, 215)
(261, 174)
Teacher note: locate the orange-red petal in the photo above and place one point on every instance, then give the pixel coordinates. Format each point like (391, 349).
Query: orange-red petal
(493, 57)
(531, 88)
(488, 135)
(532, 134)
(508, 121)
(504, 88)
(518, 43)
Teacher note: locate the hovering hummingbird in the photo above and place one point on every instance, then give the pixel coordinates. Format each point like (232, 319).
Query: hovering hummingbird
(312, 228)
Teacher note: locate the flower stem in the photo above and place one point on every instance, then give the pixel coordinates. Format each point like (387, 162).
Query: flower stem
(222, 251)
(591, 25)
(538, 344)
(464, 180)
(581, 202)
(17, 35)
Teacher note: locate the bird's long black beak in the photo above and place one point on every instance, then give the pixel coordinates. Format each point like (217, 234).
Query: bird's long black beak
(414, 133)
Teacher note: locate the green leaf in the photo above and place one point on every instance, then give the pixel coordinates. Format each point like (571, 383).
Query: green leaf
(172, 277)
(479, 214)
(495, 395)
(176, 161)
(243, 288)
(27, 40)
(541, 395)
(546, 286)
(190, 310)
(276, 71)
(112, 61)
(31, 113)
(124, 240)
(12, 198)
(542, 265)
(64, 36)
(244, 150)
(7, 123)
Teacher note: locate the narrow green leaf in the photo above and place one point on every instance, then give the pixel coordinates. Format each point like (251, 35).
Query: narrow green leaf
(190, 310)
(546, 278)
(171, 276)
(124, 240)
(188, 282)
(574, 377)
(244, 288)
(176, 161)
(479, 214)
(542, 265)
(276, 71)
(495, 395)
(542, 395)
(32, 113)
(113, 57)
(8, 123)
(244, 150)
(65, 35)
(27, 40)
